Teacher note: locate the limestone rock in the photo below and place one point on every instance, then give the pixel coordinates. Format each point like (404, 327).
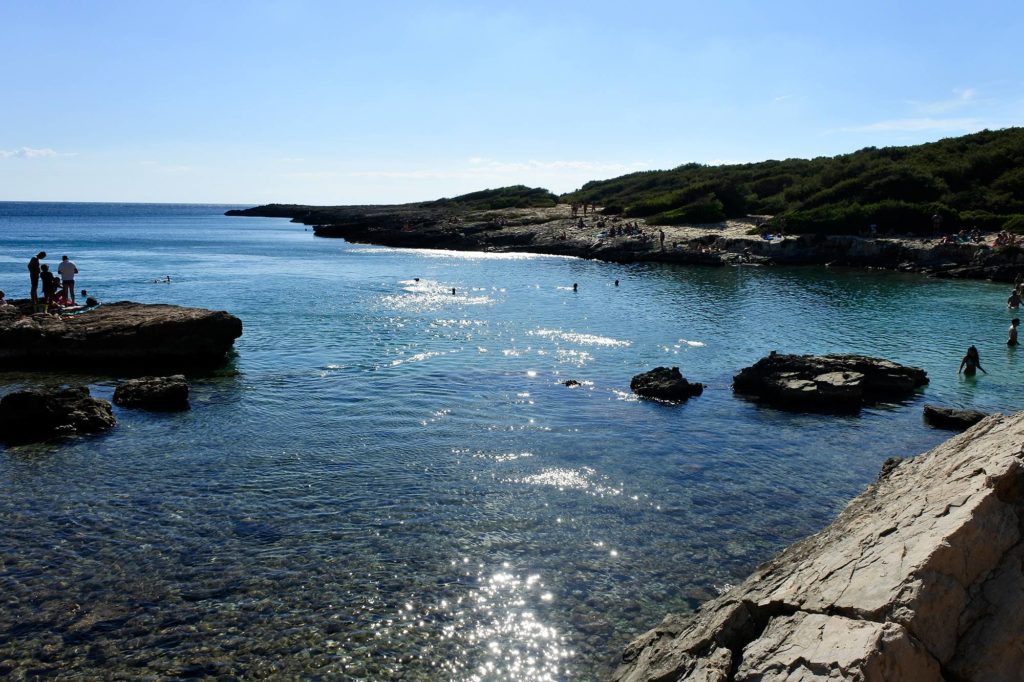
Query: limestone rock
(950, 418)
(42, 413)
(125, 336)
(827, 383)
(665, 383)
(835, 648)
(153, 393)
(919, 574)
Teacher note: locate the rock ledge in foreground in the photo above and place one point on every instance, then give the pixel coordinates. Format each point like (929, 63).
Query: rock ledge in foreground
(826, 383)
(665, 383)
(40, 414)
(918, 580)
(123, 336)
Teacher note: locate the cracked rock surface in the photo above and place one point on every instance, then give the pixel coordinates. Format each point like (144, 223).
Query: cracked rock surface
(919, 578)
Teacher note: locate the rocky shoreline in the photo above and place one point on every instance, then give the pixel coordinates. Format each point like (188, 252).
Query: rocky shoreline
(918, 579)
(556, 231)
(126, 337)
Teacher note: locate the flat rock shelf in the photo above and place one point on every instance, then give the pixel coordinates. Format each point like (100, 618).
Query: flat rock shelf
(124, 336)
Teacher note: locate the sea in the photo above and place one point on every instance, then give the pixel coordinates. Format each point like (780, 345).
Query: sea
(390, 480)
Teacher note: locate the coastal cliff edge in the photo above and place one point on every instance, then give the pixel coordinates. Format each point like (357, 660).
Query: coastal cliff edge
(918, 579)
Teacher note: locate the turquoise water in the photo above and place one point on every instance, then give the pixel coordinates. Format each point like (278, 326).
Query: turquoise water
(391, 481)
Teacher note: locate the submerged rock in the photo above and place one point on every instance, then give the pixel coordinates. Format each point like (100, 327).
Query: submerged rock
(827, 383)
(917, 580)
(39, 414)
(153, 393)
(664, 383)
(950, 418)
(125, 336)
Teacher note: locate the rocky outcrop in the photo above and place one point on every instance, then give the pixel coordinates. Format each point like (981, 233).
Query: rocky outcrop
(124, 336)
(951, 418)
(918, 579)
(43, 413)
(153, 393)
(827, 383)
(665, 383)
(555, 230)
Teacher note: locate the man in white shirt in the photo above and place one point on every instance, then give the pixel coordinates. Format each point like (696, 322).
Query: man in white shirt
(67, 270)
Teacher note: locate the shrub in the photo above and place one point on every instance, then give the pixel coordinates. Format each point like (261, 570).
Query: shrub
(1015, 224)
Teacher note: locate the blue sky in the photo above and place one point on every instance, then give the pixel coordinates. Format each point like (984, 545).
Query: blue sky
(356, 102)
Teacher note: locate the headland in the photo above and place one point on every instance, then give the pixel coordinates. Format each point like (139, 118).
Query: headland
(563, 230)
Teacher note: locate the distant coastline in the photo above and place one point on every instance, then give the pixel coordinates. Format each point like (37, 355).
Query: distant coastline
(556, 230)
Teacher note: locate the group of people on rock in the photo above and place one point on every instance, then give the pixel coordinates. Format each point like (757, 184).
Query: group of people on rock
(967, 237)
(576, 208)
(1005, 238)
(58, 290)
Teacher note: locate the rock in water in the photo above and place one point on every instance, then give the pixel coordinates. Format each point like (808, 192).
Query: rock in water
(827, 383)
(153, 393)
(42, 413)
(125, 336)
(952, 419)
(664, 383)
(918, 580)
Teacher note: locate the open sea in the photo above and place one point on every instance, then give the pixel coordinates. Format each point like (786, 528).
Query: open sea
(391, 482)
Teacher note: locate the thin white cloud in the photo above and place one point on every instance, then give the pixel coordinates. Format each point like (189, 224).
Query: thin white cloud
(918, 125)
(491, 165)
(479, 167)
(782, 98)
(30, 153)
(962, 97)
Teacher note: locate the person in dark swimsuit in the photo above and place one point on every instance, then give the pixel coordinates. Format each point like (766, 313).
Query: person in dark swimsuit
(971, 363)
(49, 283)
(33, 275)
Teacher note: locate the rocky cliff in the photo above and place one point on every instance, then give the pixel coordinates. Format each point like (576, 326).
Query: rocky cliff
(918, 579)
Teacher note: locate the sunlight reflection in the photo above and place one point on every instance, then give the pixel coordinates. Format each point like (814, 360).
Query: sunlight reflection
(582, 339)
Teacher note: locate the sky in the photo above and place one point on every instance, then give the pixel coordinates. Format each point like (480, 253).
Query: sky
(338, 102)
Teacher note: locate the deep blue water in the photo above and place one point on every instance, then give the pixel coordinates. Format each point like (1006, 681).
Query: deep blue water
(392, 482)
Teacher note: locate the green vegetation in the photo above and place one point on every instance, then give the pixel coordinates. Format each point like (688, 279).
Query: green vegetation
(517, 196)
(971, 181)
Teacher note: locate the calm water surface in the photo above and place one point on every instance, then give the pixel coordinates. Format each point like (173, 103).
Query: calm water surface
(392, 482)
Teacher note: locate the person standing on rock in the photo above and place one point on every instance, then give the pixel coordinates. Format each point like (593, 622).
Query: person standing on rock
(49, 283)
(971, 363)
(33, 275)
(67, 271)
(1012, 341)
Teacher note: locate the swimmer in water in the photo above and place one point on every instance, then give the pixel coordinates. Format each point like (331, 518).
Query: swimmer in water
(574, 286)
(971, 363)
(1012, 341)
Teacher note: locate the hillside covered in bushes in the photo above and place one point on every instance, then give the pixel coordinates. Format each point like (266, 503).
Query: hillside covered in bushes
(971, 181)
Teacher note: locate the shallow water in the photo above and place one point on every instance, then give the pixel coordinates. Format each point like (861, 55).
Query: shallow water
(391, 481)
